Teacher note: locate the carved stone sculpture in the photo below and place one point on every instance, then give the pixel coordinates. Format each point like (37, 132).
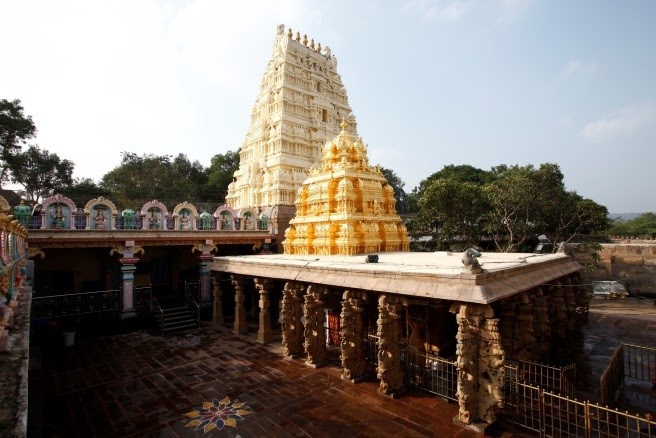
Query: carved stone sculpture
(389, 369)
(352, 336)
(315, 335)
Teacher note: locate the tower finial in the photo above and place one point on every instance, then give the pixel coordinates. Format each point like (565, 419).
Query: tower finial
(290, 35)
(319, 47)
(298, 37)
(312, 44)
(305, 40)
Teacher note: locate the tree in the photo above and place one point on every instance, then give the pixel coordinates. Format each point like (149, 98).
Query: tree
(84, 190)
(397, 184)
(452, 212)
(15, 130)
(643, 226)
(220, 173)
(139, 179)
(40, 173)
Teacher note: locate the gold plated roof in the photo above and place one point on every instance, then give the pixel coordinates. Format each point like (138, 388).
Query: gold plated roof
(345, 206)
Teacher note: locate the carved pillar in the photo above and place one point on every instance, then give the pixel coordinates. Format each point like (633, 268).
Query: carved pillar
(524, 336)
(491, 370)
(541, 325)
(480, 364)
(508, 315)
(217, 308)
(128, 266)
(582, 300)
(315, 334)
(264, 333)
(206, 256)
(389, 369)
(292, 327)
(240, 312)
(558, 320)
(570, 306)
(352, 334)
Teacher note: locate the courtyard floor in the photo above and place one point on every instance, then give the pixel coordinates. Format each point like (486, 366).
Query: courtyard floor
(140, 384)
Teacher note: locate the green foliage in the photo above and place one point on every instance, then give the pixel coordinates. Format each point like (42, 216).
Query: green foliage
(15, 130)
(451, 211)
(643, 226)
(220, 173)
(510, 205)
(402, 205)
(40, 173)
(84, 190)
(139, 179)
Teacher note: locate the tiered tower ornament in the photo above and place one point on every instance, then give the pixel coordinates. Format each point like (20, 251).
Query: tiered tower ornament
(345, 206)
(300, 104)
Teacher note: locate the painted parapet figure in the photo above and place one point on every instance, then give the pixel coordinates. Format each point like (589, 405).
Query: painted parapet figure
(57, 217)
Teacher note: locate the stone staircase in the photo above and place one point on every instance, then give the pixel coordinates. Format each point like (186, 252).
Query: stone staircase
(177, 319)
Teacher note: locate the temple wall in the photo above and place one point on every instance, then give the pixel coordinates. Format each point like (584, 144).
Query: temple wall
(631, 262)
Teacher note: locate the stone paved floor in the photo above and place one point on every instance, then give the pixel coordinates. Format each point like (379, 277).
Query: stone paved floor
(148, 383)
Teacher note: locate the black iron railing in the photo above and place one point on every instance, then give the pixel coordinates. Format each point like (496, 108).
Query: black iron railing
(76, 304)
(158, 315)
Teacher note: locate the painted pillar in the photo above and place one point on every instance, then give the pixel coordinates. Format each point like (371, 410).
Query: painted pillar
(217, 308)
(206, 256)
(292, 327)
(314, 332)
(352, 335)
(264, 333)
(128, 266)
(390, 371)
(240, 312)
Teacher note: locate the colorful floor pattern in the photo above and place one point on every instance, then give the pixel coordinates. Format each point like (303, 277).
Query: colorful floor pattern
(216, 415)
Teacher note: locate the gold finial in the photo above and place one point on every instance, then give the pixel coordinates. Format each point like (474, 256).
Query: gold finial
(312, 44)
(343, 125)
(319, 47)
(298, 37)
(305, 40)
(290, 35)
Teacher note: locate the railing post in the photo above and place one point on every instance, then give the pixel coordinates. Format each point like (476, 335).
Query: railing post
(588, 425)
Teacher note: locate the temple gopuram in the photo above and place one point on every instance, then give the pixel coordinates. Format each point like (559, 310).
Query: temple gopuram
(345, 206)
(300, 105)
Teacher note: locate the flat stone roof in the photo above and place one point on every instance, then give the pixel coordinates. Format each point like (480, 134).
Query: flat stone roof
(437, 275)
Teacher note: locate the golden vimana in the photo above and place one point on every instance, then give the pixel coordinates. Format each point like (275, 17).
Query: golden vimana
(345, 206)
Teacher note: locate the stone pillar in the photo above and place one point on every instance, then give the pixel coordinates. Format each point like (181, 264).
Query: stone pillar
(570, 306)
(205, 291)
(352, 334)
(524, 336)
(541, 325)
(315, 333)
(128, 266)
(479, 364)
(508, 314)
(558, 320)
(582, 299)
(240, 325)
(217, 308)
(389, 370)
(264, 333)
(292, 327)
(491, 370)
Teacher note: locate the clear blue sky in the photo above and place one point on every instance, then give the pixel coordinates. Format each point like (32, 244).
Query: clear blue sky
(430, 82)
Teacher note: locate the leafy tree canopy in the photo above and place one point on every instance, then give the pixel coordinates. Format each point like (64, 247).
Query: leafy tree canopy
(83, 190)
(142, 178)
(643, 226)
(15, 130)
(220, 173)
(397, 184)
(40, 173)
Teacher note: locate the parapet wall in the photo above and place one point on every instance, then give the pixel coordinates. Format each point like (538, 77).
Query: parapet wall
(631, 262)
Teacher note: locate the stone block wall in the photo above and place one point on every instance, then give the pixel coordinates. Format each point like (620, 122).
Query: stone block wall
(631, 262)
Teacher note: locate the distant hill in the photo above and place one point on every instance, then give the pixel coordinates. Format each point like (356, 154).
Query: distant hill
(624, 216)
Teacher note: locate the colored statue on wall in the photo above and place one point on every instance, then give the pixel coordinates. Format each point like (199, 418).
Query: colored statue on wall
(57, 216)
(100, 219)
(185, 220)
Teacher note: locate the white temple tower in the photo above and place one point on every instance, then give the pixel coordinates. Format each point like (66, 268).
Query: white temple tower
(299, 107)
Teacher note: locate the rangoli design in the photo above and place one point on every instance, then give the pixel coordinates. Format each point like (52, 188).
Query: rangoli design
(217, 414)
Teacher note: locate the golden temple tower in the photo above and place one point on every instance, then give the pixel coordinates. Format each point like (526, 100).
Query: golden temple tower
(299, 107)
(345, 206)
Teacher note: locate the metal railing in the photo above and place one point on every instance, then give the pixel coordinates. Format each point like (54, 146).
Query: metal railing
(430, 372)
(76, 304)
(640, 362)
(612, 380)
(158, 315)
(142, 297)
(553, 415)
(629, 360)
(560, 380)
(192, 297)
